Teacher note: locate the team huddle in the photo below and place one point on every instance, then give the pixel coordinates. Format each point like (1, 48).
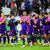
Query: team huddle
(30, 27)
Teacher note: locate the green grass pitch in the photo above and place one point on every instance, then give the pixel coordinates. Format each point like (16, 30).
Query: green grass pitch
(19, 47)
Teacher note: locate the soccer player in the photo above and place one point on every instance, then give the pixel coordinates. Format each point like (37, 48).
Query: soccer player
(48, 30)
(12, 29)
(8, 30)
(2, 28)
(29, 30)
(45, 28)
(40, 27)
(32, 29)
(24, 27)
(35, 26)
(17, 27)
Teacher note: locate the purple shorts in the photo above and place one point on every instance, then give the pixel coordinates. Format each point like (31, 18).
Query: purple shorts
(24, 28)
(40, 31)
(35, 30)
(2, 29)
(46, 28)
(30, 29)
(13, 32)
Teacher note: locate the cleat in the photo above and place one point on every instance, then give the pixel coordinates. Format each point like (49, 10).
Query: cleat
(23, 46)
(12, 44)
(30, 44)
(49, 44)
(44, 44)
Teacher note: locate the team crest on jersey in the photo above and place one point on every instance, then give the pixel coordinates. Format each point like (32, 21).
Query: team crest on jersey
(49, 31)
(40, 23)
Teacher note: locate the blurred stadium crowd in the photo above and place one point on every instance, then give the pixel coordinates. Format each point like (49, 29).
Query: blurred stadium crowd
(37, 6)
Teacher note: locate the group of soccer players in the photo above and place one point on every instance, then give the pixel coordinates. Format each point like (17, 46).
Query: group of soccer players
(31, 26)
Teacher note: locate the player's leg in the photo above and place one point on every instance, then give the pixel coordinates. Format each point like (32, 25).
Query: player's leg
(45, 35)
(45, 39)
(4, 39)
(23, 40)
(12, 40)
(40, 36)
(34, 36)
(0, 39)
(48, 36)
(29, 40)
(15, 38)
(12, 36)
(8, 37)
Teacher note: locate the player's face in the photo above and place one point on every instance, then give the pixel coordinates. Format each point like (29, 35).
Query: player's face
(45, 15)
(40, 16)
(2, 15)
(49, 15)
(12, 17)
(36, 16)
(24, 13)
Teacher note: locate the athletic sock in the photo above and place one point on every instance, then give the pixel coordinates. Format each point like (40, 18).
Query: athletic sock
(0, 40)
(45, 40)
(29, 40)
(8, 39)
(12, 40)
(23, 41)
(40, 39)
(4, 40)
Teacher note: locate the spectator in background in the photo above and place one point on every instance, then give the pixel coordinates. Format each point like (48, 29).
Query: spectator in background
(48, 2)
(44, 4)
(13, 7)
(18, 2)
(8, 4)
(0, 5)
(3, 2)
(0, 2)
(13, 4)
(28, 7)
(31, 2)
(22, 6)
(36, 7)
(9, 1)
(48, 9)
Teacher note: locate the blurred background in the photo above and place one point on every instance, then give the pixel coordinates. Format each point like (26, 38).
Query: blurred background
(38, 6)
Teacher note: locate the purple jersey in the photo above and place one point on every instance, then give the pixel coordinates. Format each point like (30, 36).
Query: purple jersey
(12, 27)
(30, 29)
(48, 19)
(1, 19)
(24, 28)
(44, 19)
(45, 28)
(2, 26)
(35, 25)
(40, 23)
(25, 20)
(35, 21)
